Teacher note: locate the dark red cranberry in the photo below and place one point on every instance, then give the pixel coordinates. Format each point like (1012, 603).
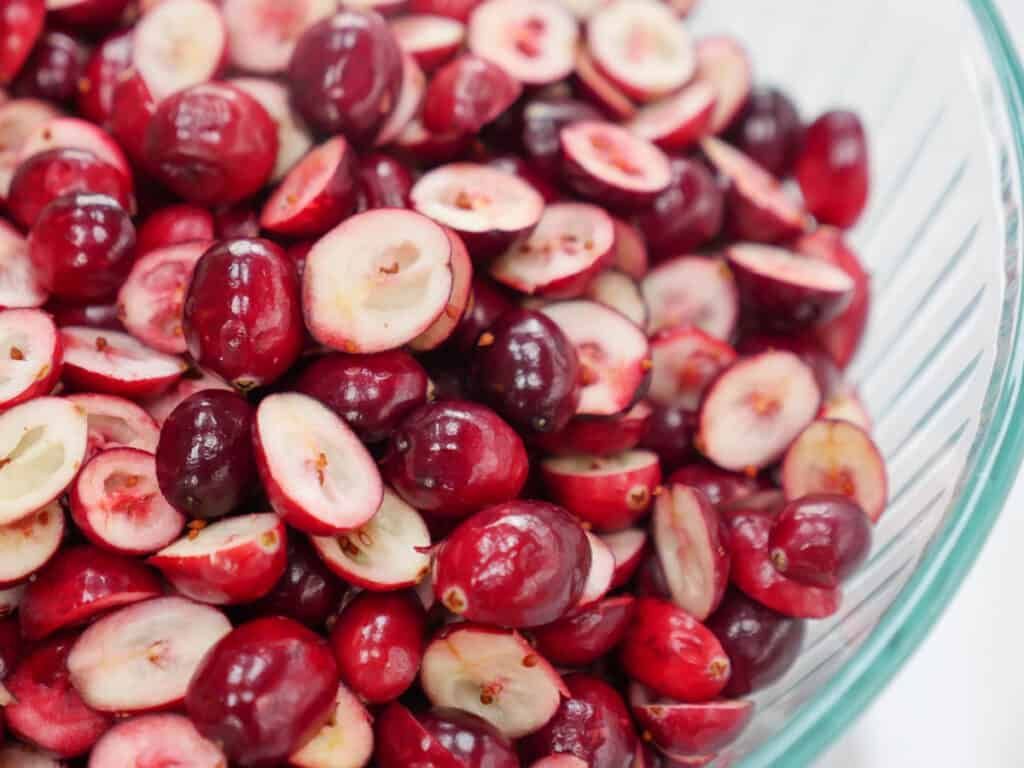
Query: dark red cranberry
(174, 224)
(91, 13)
(131, 115)
(471, 740)
(833, 168)
(242, 316)
(346, 74)
(686, 215)
(543, 120)
(650, 579)
(719, 485)
(89, 315)
(109, 61)
(669, 434)
(487, 304)
(402, 742)
(760, 643)
(593, 724)
(384, 182)
(454, 457)
(54, 69)
(518, 167)
(373, 393)
(466, 94)
(10, 645)
(211, 144)
(307, 591)
(768, 130)
(238, 220)
(378, 642)
(586, 635)
(82, 246)
(263, 690)
(519, 564)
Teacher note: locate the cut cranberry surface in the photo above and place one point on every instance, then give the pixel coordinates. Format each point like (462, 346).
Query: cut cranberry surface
(679, 120)
(628, 548)
(534, 42)
(689, 729)
(599, 437)
(410, 102)
(345, 740)
(31, 354)
(178, 45)
(148, 739)
(723, 63)
(72, 133)
(28, 544)
(19, 119)
(445, 324)
(293, 137)
(114, 422)
(609, 164)
(262, 34)
(429, 38)
(686, 361)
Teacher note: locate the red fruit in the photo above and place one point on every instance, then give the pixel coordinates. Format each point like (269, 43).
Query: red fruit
(520, 564)
(115, 422)
(21, 23)
(599, 90)
(293, 137)
(846, 406)
(72, 133)
(262, 34)
(169, 737)
(724, 64)
(31, 354)
(417, 144)
(599, 437)
(19, 120)
(109, 62)
(28, 544)
(401, 742)
(721, 487)
(469, 739)
(307, 591)
(833, 168)
(115, 363)
(687, 215)
(686, 361)
(192, 381)
(10, 646)
(679, 120)
(174, 225)
(668, 650)
(467, 94)
(18, 285)
(263, 691)
(378, 642)
(542, 122)
(630, 254)
(804, 346)
(384, 182)
(587, 634)
(453, 9)
(132, 111)
(430, 39)
(54, 69)
(628, 548)
(488, 303)
(459, 300)
(346, 739)
(689, 729)
(534, 42)
(769, 131)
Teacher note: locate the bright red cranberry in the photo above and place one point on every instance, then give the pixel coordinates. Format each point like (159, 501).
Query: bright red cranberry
(467, 94)
(204, 460)
(593, 724)
(109, 61)
(238, 220)
(378, 642)
(586, 635)
(542, 122)
(211, 144)
(173, 225)
(242, 317)
(89, 315)
(472, 741)
(833, 168)
(454, 457)
(720, 486)
(21, 22)
(488, 304)
(669, 434)
(401, 742)
(460, 10)
(373, 393)
(760, 643)
(54, 69)
(346, 73)
(263, 690)
(768, 130)
(82, 246)
(520, 564)
(10, 645)
(131, 114)
(308, 592)
(686, 215)
(384, 182)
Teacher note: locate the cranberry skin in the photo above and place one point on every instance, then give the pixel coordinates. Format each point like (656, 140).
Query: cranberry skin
(21, 22)
(235, 221)
(400, 741)
(586, 635)
(346, 74)
(263, 690)
(211, 144)
(54, 69)
(519, 564)
(102, 74)
(89, 315)
(669, 434)
(131, 115)
(761, 644)
(768, 130)
(593, 724)
(460, 10)
(82, 247)
(487, 304)
(45, 176)
(173, 225)
(242, 316)
(719, 485)
(307, 591)
(473, 741)
(527, 369)
(466, 94)
(373, 393)
(454, 457)
(518, 167)
(543, 120)
(686, 215)
(378, 643)
(833, 168)
(820, 539)
(650, 579)
(10, 646)
(384, 182)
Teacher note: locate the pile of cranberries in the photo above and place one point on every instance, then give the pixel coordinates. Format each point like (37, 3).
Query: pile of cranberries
(414, 383)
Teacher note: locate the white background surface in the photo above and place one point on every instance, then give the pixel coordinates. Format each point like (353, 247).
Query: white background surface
(959, 701)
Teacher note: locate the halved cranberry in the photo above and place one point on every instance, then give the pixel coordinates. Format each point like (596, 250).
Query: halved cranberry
(679, 120)
(192, 381)
(419, 145)
(686, 360)
(723, 63)
(668, 432)
(346, 737)
(585, 635)
(609, 164)
(73, 133)
(307, 591)
(444, 325)
(598, 437)
(29, 543)
(833, 168)
(804, 346)
(174, 225)
(19, 120)
(469, 738)
(692, 290)
(262, 34)
(116, 422)
(600, 90)
(721, 487)
(453, 9)
(680, 729)
(166, 737)
(31, 355)
(410, 102)
(630, 255)
(53, 70)
(609, 493)
(846, 405)
(109, 62)
(487, 304)
(688, 214)
(21, 23)
(542, 123)
(294, 139)
(429, 38)
(534, 42)
(384, 182)
(401, 741)
(115, 363)
(769, 131)
(467, 94)
(620, 292)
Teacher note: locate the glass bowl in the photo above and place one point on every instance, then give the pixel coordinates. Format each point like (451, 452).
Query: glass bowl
(942, 94)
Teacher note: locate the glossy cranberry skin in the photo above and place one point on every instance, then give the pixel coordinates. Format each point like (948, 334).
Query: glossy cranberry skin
(307, 591)
(519, 564)
(518, 167)
(466, 94)
(204, 460)
(242, 316)
(373, 393)
(130, 117)
(211, 144)
(384, 182)
(686, 215)
(346, 74)
(263, 690)
(543, 120)
(454, 457)
(719, 485)
(768, 130)
(109, 61)
(460, 10)
(669, 433)
(833, 168)
(238, 220)
(10, 645)
(760, 643)
(585, 635)
(593, 724)
(400, 741)
(378, 643)
(487, 304)
(650, 579)
(89, 315)
(54, 69)
(45, 176)
(471, 740)
(82, 247)
(21, 22)
(173, 225)
(820, 539)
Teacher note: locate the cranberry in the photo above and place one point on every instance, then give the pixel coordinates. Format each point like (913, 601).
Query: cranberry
(586, 635)
(650, 579)
(89, 315)
(686, 215)
(10, 645)
(460, 10)
(543, 120)
(263, 690)
(242, 317)
(669, 434)
(402, 742)
(760, 643)
(720, 486)
(454, 457)
(346, 74)
(833, 168)
(82, 246)
(467, 94)
(471, 740)
(373, 393)
(173, 225)
(54, 69)
(384, 182)
(108, 63)
(488, 303)
(204, 460)
(131, 114)
(768, 130)
(593, 724)
(807, 348)
(519, 564)
(518, 167)
(21, 22)
(235, 221)
(308, 592)
(211, 144)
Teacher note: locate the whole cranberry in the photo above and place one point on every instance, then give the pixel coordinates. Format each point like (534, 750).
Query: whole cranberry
(768, 130)
(584, 636)
(593, 724)
(466, 94)
(760, 643)
(526, 368)
(263, 690)
(211, 144)
(454, 457)
(400, 741)
(686, 215)
(384, 182)
(373, 393)
(543, 120)
(131, 115)
(242, 317)
(378, 642)
(719, 485)
(89, 315)
(204, 460)
(174, 224)
(833, 168)
(474, 742)
(82, 246)
(669, 433)
(109, 61)
(10, 645)
(518, 564)
(307, 592)
(54, 69)
(346, 74)
(487, 304)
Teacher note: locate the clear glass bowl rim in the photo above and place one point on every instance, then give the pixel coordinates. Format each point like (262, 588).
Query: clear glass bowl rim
(997, 455)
